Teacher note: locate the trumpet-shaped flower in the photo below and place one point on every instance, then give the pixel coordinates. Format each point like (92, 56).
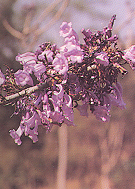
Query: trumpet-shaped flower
(23, 78)
(39, 69)
(28, 60)
(60, 64)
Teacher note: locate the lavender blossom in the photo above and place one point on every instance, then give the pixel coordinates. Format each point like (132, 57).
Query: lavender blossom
(2, 78)
(46, 54)
(72, 50)
(28, 60)
(38, 70)
(129, 55)
(116, 96)
(66, 30)
(102, 113)
(17, 134)
(23, 78)
(60, 64)
(31, 125)
(67, 110)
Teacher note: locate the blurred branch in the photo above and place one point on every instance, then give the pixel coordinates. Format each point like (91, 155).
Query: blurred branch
(54, 19)
(44, 14)
(26, 26)
(30, 34)
(11, 30)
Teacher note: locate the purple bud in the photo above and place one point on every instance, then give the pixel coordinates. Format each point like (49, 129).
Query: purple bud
(102, 58)
(87, 33)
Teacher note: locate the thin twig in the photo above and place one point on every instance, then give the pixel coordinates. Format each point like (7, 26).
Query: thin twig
(26, 26)
(33, 31)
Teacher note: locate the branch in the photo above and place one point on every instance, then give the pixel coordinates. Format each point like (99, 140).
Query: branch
(25, 92)
(44, 14)
(54, 19)
(12, 31)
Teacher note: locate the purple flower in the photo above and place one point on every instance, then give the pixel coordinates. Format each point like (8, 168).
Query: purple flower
(39, 69)
(113, 38)
(17, 134)
(72, 50)
(87, 32)
(57, 97)
(31, 125)
(23, 78)
(67, 31)
(48, 54)
(56, 117)
(28, 60)
(130, 56)
(102, 58)
(46, 110)
(116, 96)
(2, 78)
(60, 64)
(57, 101)
(101, 113)
(45, 115)
(83, 109)
(68, 110)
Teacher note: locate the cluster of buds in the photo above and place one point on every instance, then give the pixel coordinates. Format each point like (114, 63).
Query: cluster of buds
(53, 81)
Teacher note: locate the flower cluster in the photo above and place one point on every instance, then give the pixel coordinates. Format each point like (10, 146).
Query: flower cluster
(60, 79)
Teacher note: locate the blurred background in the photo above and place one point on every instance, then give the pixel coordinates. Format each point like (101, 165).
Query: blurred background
(25, 24)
